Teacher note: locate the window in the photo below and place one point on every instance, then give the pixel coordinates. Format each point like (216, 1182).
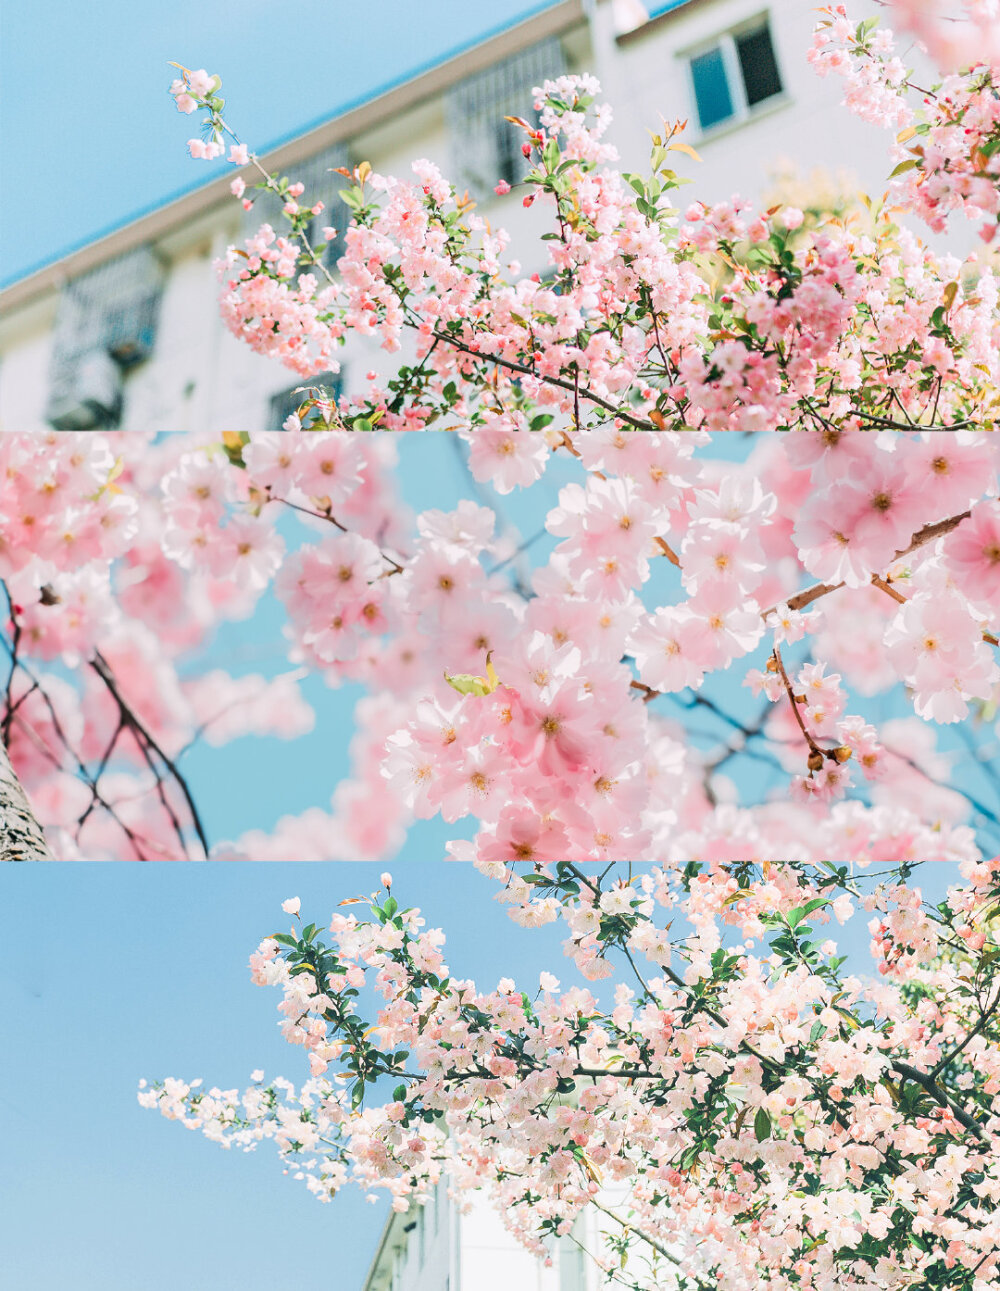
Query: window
(509, 157)
(105, 324)
(86, 393)
(758, 65)
(734, 74)
(711, 88)
(287, 402)
(322, 184)
(487, 148)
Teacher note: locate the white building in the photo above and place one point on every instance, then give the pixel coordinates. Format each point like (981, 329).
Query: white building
(436, 1248)
(125, 331)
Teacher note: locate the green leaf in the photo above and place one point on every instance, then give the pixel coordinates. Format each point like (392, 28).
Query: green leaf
(467, 684)
(762, 1125)
(399, 1094)
(233, 443)
(795, 917)
(910, 163)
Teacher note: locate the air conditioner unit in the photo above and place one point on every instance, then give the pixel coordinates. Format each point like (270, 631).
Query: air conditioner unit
(88, 395)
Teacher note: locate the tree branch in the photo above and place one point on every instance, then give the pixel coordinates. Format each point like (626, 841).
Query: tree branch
(21, 837)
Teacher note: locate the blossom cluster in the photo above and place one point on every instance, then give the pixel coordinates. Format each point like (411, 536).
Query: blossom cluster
(117, 568)
(826, 568)
(947, 136)
(637, 314)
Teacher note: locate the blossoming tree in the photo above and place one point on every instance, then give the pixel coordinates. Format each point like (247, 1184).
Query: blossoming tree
(741, 1109)
(870, 536)
(556, 704)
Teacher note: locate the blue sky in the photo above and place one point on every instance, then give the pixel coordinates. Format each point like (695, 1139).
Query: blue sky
(94, 139)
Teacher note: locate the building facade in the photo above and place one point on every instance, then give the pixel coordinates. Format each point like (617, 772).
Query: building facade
(438, 1248)
(126, 333)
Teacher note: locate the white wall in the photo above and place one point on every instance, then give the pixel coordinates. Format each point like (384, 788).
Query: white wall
(444, 1250)
(24, 379)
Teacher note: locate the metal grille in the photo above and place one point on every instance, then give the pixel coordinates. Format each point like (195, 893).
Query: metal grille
(322, 185)
(109, 313)
(485, 147)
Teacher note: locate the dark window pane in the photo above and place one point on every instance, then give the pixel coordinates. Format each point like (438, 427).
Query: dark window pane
(711, 89)
(289, 401)
(510, 160)
(760, 71)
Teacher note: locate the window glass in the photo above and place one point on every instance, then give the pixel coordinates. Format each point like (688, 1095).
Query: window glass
(510, 164)
(486, 147)
(711, 88)
(758, 65)
(285, 403)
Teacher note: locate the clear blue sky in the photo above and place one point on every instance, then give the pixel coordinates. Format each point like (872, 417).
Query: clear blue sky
(91, 138)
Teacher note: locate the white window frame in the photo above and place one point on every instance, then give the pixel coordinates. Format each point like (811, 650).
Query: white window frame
(725, 42)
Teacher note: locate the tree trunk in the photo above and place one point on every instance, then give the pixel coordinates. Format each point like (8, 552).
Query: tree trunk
(21, 837)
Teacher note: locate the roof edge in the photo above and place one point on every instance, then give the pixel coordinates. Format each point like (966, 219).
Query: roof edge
(422, 85)
(656, 20)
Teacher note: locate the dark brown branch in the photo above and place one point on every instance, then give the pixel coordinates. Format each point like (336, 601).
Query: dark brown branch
(941, 1097)
(147, 743)
(570, 387)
